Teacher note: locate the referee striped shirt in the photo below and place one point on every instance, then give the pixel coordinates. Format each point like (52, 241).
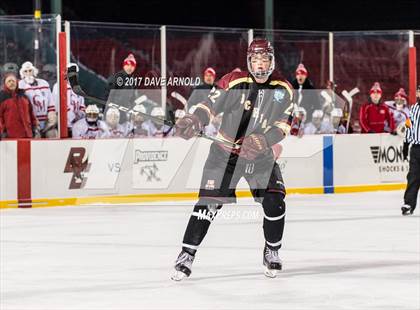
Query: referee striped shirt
(412, 134)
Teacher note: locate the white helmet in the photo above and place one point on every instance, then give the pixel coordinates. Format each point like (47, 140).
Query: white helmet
(337, 112)
(317, 114)
(112, 117)
(158, 112)
(92, 113)
(179, 113)
(28, 72)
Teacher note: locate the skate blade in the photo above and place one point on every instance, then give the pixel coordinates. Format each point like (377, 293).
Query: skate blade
(178, 276)
(270, 273)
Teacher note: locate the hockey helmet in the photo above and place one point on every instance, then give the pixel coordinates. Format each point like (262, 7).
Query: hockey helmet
(263, 48)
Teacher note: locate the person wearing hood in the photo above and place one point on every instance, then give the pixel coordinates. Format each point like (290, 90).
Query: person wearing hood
(305, 93)
(17, 119)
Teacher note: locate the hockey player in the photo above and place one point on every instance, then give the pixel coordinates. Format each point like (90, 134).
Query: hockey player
(38, 91)
(337, 121)
(298, 124)
(256, 108)
(156, 128)
(90, 127)
(75, 106)
(136, 126)
(399, 110)
(112, 120)
(314, 127)
(333, 124)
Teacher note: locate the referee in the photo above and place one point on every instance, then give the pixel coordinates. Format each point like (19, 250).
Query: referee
(412, 136)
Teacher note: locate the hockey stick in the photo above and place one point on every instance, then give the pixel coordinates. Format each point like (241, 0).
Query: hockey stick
(349, 97)
(180, 98)
(73, 78)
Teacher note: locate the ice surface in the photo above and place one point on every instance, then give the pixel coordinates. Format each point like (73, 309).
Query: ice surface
(347, 251)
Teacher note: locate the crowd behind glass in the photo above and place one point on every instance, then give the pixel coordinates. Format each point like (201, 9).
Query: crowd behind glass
(29, 98)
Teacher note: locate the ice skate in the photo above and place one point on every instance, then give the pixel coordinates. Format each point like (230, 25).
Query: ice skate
(272, 262)
(407, 210)
(183, 266)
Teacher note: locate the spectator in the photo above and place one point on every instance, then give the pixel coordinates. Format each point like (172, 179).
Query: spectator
(39, 93)
(90, 127)
(298, 123)
(112, 120)
(200, 93)
(374, 114)
(399, 109)
(305, 94)
(75, 106)
(17, 119)
(121, 85)
(314, 127)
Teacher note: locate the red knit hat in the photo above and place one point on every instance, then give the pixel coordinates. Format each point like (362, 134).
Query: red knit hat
(401, 92)
(301, 70)
(130, 60)
(376, 88)
(211, 71)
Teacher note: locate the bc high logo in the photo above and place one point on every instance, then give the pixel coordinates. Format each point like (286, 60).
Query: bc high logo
(78, 165)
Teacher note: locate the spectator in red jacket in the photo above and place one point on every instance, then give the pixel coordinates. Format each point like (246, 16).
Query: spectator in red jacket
(374, 114)
(17, 119)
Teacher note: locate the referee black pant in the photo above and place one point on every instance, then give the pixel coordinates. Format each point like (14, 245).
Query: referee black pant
(413, 177)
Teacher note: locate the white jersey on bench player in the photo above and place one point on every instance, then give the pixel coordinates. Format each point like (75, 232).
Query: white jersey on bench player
(38, 91)
(112, 120)
(90, 127)
(75, 104)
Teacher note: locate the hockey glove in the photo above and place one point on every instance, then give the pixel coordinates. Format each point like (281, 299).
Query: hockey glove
(252, 146)
(405, 150)
(188, 126)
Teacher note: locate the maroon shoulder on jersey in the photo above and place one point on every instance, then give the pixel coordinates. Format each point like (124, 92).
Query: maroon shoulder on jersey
(230, 77)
